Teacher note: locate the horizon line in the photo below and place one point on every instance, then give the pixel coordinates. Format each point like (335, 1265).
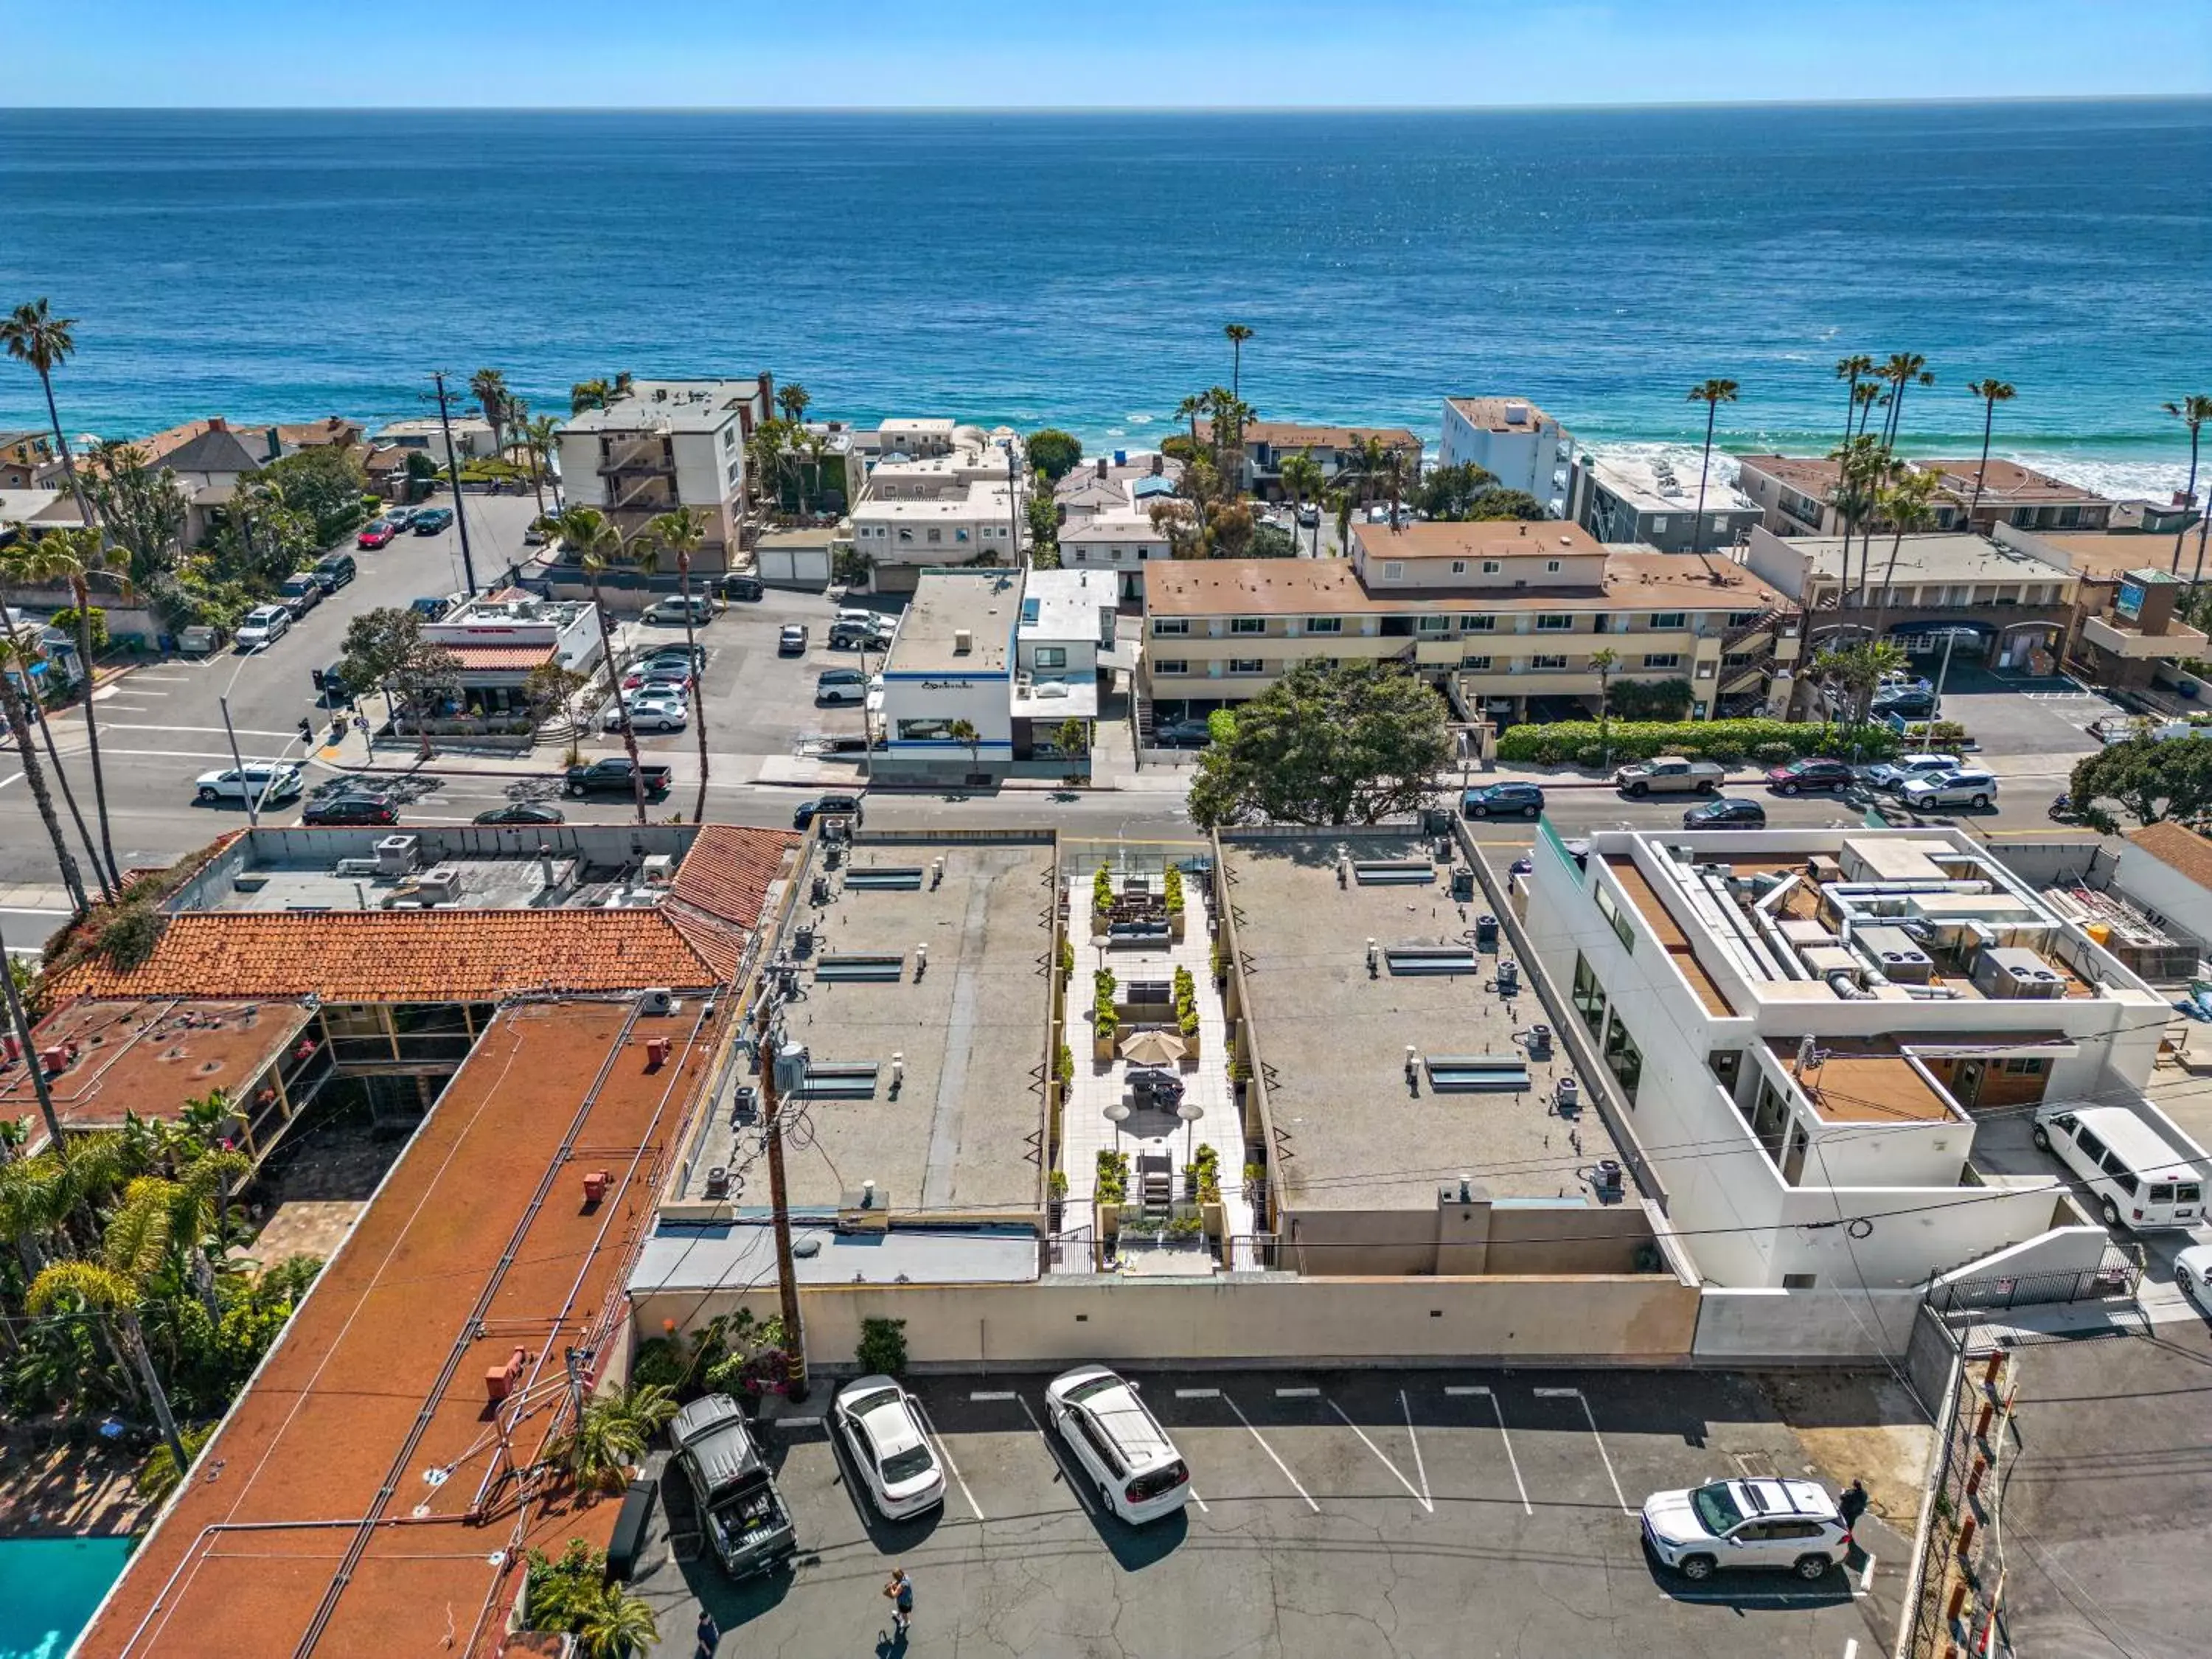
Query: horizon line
(1633, 106)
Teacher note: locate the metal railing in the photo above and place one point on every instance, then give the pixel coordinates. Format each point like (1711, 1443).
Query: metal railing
(2116, 1276)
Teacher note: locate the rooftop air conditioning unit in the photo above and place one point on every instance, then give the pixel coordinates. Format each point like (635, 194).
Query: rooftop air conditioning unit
(658, 1000)
(1516, 413)
(439, 885)
(964, 641)
(396, 854)
(659, 870)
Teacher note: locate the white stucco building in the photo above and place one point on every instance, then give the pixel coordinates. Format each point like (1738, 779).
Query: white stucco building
(1104, 508)
(669, 444)
(1513, 439)
(957, 507)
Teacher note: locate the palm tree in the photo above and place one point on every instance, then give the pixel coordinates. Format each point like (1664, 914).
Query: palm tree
(159, 1216)
(1858, 668)
(33, 335)
(1363, 463)
(1909, 503)
(598, 545)
(2192, 412)
(78, 557)
(617, 1625)
(1860, 467)
(1991, 392)
(1395, 473)
(1712, 394)
(541, 434)
(87, 1287)
(489, 388)
(1856, 369)
(589, 394)
(1339, 503)
(1238, 334)
(1603, 661)
(1189, 409)
(1303, 481)
(612, 1434)
(1867, 396)
(1903, 369)
(16, 658)
(793, 399)
(19, 1027)
(680, 535)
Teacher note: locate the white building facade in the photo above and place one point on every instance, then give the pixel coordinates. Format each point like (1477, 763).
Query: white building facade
(1514, 441)
(670, 443)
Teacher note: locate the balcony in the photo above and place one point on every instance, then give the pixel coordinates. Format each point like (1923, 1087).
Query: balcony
(650, 455)
(2180, 640)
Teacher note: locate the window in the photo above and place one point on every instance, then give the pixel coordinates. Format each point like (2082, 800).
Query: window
(1546, 662)
(1324, 624)
(2023, 1068)
(1434, 625)
(1623, 1059)
(1480, 664)
(1552, 567)
(1798, 1281)
(1659, 523)
(1614, 920)
(1082, 557)
(1392, 570)
(1589, 996)
(1163, 626)
(1554, 624)
(931, 730)
(1247, 666)
(1663, 659)
(1248, 625)
(1170, 665)
(905, 534)
(936, 535)
(1477, 624)
(1459, 566)
(1491, 567)
(1664, 620)
(1052, 656)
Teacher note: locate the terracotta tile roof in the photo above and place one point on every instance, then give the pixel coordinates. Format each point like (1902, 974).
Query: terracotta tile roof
(721, 887)
(2178, 847)
(389, 955)
(331, 429)
(501, 656)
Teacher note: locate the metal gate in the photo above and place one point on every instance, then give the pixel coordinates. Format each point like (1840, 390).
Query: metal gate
(2116, 1276)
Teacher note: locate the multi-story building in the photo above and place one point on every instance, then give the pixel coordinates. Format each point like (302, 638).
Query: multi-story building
(1924, 591)
(1105, 515)
(1624, 499)
(2124, 623)
(1830, 1041)
(1513, 613)
(28, 461)
(963, 506)
(471, 436)
(1267, 443)
(1796, 496)
(1512, 440)
(670, 443)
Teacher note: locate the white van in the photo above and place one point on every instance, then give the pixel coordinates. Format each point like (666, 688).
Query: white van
(2138, 1180)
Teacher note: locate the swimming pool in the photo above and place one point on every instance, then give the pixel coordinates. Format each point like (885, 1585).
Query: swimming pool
(48, 1589)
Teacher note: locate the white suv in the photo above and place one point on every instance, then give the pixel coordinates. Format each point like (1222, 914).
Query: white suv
(1963, 787)
(1119, 1445)
(1894, 774)
(281, 782)
(1793, 1524)
(264, 625)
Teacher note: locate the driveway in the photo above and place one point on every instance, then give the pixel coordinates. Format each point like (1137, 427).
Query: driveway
(2022, 715)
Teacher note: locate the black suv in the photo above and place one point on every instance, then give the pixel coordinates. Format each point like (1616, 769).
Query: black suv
(1499, 799)
(333, 571)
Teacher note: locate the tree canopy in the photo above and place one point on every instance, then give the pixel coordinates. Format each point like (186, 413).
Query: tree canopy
(323, 485)
(1467, 493)
(143, 507)
(386, 647)
(1054, 452)
(2152, 780)
(1353, 743)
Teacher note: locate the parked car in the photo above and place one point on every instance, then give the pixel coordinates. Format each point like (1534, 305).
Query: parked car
(613, 776)
(378, 532)
(301, 592)
(1670, 775)
(2138, 1180)
(1135, 1467)
(1726, 813)
(428, 608)
(350, 808)
(748, 588)
(741, 1512)
(659, 677)
(1488, 800)
(2192, 1273)
(1192, 732)
(880, 1424)
(859, 636)
(279, 783)
(522, 812)
(646, 713)
(808, 810)
(1906, 705)
(335, 570)
(1966, 786)
(1799, 775)
(1790, 1524)
(791, 642)
(535, 534)
(841, 685)
(680, 655)
(264, 625)
(1894, 775)
(856, 616)
(1309, 516)
(672, 610)
(429, 520)
(401, 518)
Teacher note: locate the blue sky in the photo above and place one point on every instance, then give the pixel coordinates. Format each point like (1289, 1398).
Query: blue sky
(1125, 52)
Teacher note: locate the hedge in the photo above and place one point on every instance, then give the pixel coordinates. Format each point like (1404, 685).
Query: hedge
(1582, 743)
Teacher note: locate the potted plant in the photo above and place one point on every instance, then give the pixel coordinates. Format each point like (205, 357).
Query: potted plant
(1174, 904)
(1111, 1191)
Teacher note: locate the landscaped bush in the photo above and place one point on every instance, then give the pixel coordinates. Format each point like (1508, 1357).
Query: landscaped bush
(1174, 890)
(1113, 1182)
(1568, 742)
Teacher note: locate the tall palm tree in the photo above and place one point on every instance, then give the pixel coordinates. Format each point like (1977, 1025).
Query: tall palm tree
(88, 1287)
(33, 335)
(612, 1432)
(1339, 504)
(489, 388)
(1189, 409)
(680, 535)
(1868, 397)
(2192, 412)
(1862, 465)
(617, 1625)
(1903, 369)
(1854, 368)
(793, 399)
(1712, 394)
(1393, 475)
(1991, 392)
(18, 564)
(19, 1027)
(1238, 334)
(1361, 463)
(589, 394)
(1908, 502)
(159, 1217)
(1303, 481)
(541, 434)
(14, 659)
(1603, 661)
(598, 545)
(78, 557)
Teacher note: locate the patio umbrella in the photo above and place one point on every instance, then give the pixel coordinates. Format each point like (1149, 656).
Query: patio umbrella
(1154, 1047)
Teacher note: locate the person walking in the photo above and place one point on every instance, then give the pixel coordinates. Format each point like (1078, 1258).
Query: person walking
(899, 1591)
(710, 1635)
(1852, 1505)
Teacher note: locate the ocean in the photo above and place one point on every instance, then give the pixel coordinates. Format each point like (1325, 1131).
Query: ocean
(1076, 269)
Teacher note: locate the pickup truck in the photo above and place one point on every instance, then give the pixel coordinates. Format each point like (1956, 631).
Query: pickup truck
(612, 776)
(1670, 775)
(740, 1510)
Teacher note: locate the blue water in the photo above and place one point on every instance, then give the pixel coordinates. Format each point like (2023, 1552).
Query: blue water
(49, 1588)
(1078, 268)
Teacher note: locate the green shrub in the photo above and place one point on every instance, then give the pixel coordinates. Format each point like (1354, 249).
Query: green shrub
(1772, 754)
(1113, 1181)
(1063, 1065)
(1591, 755)
(1066, 954)
(1174, 890)
(882, 1347)
(1102, 891)
(1568, 742)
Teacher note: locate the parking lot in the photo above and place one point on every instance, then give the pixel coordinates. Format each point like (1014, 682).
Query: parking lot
(1430, 1512)
(2020, 714)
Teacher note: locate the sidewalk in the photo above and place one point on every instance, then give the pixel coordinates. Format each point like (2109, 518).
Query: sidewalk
(1558, 777)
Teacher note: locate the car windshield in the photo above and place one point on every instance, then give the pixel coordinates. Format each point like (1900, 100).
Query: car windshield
(905, 1465)
(1716, 1508)
(1091, 1388)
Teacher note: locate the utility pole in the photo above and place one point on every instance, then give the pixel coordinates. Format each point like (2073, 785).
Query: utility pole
(22, 1028)
(454, 473)
(1014, 465)
(780, 1207)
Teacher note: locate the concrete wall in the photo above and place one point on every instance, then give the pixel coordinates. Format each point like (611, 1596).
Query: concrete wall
(1643, 1319)
(1776, 1327)
(1482, 1236)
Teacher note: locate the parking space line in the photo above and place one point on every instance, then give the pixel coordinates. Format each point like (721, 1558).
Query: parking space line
(1298, 1393)
(797, 1422)
(1419, 1497)
(1851, 1647)
(1866, 1575)
(1498, 1411)
(1620, 1497)
(1421, 1467)
(1053, 1452)
(938, 1441)
(979, 1396)
(1230, 1403)
(1198, 1394)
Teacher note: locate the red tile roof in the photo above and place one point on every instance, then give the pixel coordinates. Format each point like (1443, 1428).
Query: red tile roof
(722, 884)
(395, 956)
(501, 656)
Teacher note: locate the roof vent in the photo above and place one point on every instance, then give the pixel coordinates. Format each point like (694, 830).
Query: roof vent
(440, 885)
(1516, 413)
(964, 641)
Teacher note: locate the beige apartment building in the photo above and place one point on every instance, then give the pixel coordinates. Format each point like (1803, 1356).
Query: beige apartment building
(670, 443)
(1795, 493)
(1508, 615)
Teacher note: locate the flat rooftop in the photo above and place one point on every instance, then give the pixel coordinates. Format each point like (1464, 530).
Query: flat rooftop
(1944, 556)
(378, 1383)
(1869, 1081)
(672, 406)
(2105, 555)
(983, 605)
(149, 1056)
(962, 1129)
(1656, 485)
(1325, 587)
(1333, 1039)
(1484, 538)
(1496, 414)
(1298, 434)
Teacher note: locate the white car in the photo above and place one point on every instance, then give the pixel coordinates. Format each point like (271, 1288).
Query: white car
(1894, 774)
(647, 713)
(1790, 1524)
(1131, 1462)
(264, 625)
(1964, 786)
(2192, 1271)
(880, 1424)
(281, 782)
(672, 609)
(840, 685)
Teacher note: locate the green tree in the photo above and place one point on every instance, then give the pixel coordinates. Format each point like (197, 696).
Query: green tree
(1507, 505)
(613, 1433)
(1862, 466)
(143, 507)
(77, 557)
(794, 399)
(89, 1290)
(1303, 481)
(1178, 523)
(1991, 392)
(592, 536)
(2192, 412)
(1449, 493)
(1904, 369)
(1189, 409)
(1053, 453)
(964, 731)
(1346, 743)
(1238, 334)
(489, 388)
(1712, 394)
(2151, 780)
(386, 647)
(680, 534)
(541, 437)
(1043, 512)
(33, 336)
(1361, 464)
(95, 625)
(1229, 535)
(324, 485)
(1858, 370)
(1856, 670)
(161, 1474)
(589, 394)
(617, 1625)
(1072, 737)
(18, 654)
(1603, 663)
(1909, 503)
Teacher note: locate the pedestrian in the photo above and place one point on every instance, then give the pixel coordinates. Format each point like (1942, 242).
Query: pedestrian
(710, 1635)
(1852, 1505)
(899, 1591)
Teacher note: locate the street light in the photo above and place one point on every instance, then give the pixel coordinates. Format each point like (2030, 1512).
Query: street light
(253, 806)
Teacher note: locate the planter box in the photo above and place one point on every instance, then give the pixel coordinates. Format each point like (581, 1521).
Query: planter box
(1109, 1217)
(1102, 1047)
(1176, 920)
